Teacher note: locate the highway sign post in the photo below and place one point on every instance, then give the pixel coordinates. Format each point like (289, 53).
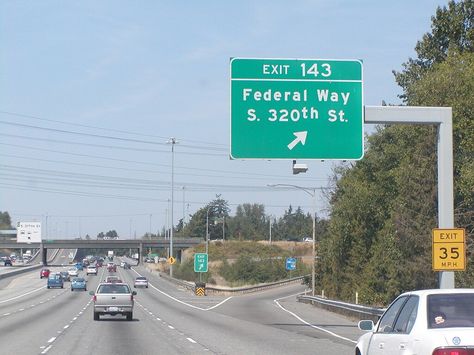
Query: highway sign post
(449, 249)
(200, 262)
(296, 109)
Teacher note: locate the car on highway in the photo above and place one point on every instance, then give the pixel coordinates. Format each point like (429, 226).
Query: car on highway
(140, 281)
(434, 322)
(79, 266)
(112, 279)
(91, 270)
(111, 267)
(127, 266)
(44, 273)
(73, 272)
(55, 280)
(65, 275)
(113, 299)
(7, 262)
(78, 283)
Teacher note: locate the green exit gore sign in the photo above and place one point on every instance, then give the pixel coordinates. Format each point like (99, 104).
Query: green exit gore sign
(296, 109)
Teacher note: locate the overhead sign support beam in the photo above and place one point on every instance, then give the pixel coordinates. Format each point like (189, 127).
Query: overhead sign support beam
(442, 117)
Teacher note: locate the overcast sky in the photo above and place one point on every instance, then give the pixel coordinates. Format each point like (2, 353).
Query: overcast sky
(91, 91)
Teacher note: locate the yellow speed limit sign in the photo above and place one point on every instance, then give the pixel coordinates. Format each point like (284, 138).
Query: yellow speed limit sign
(449, 249)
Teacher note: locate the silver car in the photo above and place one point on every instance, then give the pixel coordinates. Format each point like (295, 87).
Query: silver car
(141, 281)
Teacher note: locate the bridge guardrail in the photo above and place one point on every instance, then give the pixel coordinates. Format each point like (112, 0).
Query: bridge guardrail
(348, 309)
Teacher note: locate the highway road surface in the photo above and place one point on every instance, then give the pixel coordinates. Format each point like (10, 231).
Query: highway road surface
(166, 319)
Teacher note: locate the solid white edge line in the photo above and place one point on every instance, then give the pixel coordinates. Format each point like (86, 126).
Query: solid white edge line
(179, 301)
(23, 295)
(309, 324)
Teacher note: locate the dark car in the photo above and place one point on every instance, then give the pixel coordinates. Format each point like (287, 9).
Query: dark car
(44, 273)
(65, 276)
(8, 262)
(79, 266)
(111, 267)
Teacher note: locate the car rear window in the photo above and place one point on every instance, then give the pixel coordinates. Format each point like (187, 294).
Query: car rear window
(451, 310)
(113, 289)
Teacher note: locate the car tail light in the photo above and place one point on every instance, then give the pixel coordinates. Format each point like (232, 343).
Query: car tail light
(94, 298)
(131, 297)
(453, 351)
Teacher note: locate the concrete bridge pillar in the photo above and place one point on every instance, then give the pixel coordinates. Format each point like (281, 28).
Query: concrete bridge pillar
(140, 253)
(43, 254)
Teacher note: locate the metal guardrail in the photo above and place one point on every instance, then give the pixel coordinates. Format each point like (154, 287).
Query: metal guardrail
(348, 309)
(231, 290)
(254, 288)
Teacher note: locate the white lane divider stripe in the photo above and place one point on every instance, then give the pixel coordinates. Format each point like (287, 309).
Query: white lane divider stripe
(46, 350)
(52, 339)
(191, 340)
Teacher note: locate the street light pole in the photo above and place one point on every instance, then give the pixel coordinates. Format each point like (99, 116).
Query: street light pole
(312, 192)
(207, 229)
(172, 141)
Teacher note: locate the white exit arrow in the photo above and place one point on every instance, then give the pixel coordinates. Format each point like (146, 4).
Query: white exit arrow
(300, 137)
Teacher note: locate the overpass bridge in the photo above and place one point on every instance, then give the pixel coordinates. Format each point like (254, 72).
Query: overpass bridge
(138, 245)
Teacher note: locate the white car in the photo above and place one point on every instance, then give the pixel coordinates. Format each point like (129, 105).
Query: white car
(434, 322)
(141, 281)
(73, 272)
(91, 269)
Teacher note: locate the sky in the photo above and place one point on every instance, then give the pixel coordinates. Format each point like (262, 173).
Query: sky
(92, 91)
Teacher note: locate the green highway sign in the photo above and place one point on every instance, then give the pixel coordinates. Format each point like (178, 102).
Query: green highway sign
(296, 109)
(200, 262)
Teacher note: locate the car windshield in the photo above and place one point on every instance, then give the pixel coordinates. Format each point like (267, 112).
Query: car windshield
(113, 289)
(54, 277)
(141, 278)
(451, 310)
(78, 279)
